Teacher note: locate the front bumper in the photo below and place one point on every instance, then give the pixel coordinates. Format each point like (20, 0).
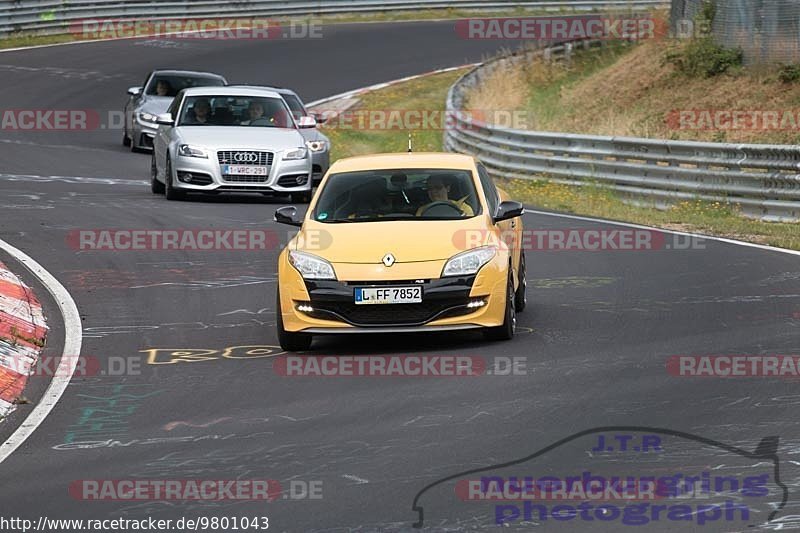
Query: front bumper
(320, 161)
(205, 175)
(444, 304)
(143, 135)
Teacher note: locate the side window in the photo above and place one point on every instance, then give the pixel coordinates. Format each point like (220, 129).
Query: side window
(489, 189)
(175, 105)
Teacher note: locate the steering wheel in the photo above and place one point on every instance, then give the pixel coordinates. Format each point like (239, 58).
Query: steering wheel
(441, 208)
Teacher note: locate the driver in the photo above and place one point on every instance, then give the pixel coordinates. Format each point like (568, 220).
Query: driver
(439, 191)
(256, 113)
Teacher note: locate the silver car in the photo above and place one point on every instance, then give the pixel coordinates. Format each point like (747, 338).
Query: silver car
(317, 142)
(231, 139)
(145, 103)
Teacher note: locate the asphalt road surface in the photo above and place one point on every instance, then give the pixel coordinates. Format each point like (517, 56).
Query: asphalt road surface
(593, 343)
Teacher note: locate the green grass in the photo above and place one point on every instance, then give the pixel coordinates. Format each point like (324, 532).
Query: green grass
(429, 93)
(545, 102)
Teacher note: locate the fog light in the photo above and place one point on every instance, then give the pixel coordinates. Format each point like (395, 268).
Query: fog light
(301, 180)
(185, 177)
(305, 308)
(474, 304)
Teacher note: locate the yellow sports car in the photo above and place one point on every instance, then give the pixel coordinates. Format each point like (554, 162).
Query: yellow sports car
(402, 243)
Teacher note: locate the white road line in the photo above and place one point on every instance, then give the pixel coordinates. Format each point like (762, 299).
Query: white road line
(69, 359)
(674, 232)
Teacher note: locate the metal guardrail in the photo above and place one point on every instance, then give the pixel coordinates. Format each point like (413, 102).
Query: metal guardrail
(764, 180)
(54, 17)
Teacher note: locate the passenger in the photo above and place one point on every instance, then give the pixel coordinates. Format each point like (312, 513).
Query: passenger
(256, 113)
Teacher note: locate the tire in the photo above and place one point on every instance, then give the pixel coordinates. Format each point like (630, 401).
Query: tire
(301, 197)
(291, 342)
(521, 296)
(126, 141)
(170, 192)
(506, 331)
(156, 187)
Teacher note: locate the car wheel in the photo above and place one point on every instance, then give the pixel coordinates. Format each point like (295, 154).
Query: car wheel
(521, 296)
(509, 327)
(155, 186)
(126, 141)
(291, 342)
(169, 190)
(301, 197)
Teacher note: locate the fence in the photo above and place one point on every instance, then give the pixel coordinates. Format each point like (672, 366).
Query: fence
(766, 30)
(762, 179)
(54, 17)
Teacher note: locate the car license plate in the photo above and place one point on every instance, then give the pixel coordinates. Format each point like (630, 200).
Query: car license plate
(245, 170)
(388, 295)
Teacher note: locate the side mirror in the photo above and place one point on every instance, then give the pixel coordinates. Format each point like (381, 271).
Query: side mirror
(164, 119)
(288, 215)
(508, 209)
(306, 122)
(321, 118)
(134, 91)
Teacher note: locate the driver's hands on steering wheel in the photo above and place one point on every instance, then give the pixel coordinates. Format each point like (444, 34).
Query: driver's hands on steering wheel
(442, 203)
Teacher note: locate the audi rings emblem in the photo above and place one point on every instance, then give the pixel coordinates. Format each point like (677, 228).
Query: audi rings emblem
(245, 157)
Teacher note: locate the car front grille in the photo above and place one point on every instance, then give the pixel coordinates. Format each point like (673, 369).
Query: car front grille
(390, 314)
(235, 178)
(246, 157)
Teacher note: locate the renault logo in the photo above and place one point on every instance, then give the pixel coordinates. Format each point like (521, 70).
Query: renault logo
(388, 260)
(245, 157)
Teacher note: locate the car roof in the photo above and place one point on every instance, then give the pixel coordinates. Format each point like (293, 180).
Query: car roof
(230, 91)
(173, 72)
(279, 90)
(432, 160)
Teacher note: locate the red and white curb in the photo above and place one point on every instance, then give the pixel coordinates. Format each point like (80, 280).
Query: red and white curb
(22, 333)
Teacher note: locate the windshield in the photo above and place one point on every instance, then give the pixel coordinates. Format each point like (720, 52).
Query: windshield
(295, 105)
(408, 194)
(254, 111)
(169, 85)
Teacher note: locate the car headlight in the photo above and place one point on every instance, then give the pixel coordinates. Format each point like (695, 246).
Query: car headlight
(310, 266)
(296, 153)
(469, 262)
(189, 151)
(317, 146)
(146, 117)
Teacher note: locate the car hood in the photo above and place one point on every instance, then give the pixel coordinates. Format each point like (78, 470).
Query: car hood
(241, 137)
(155, 105)
(408, 241)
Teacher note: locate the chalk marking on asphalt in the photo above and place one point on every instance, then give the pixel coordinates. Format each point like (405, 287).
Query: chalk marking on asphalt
(68, 362)
(358, 480)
